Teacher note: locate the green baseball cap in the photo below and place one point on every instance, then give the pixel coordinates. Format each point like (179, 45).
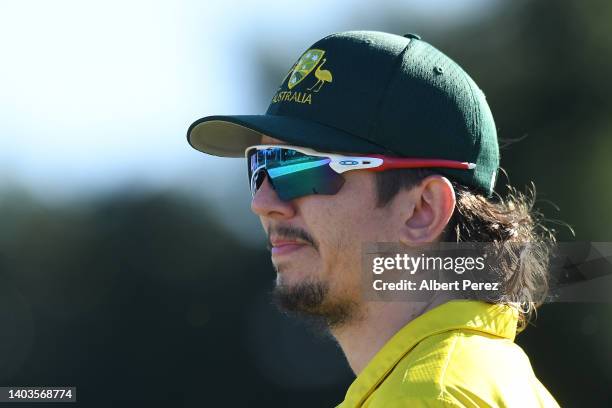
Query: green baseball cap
(371, 92)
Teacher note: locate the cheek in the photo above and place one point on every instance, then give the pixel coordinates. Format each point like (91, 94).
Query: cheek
(359, 218)
(342, 222)
(330, 228)
(340, 226)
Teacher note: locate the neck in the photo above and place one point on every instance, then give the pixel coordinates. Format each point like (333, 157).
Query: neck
(362, 339)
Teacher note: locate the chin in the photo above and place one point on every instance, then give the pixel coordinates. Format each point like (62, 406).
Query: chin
(285, 279)
(312, 298)
(289, 274)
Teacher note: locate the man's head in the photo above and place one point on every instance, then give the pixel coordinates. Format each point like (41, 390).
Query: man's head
(375, 94)
(316, 240)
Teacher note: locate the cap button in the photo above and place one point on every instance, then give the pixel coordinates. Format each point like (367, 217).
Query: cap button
(412, 35)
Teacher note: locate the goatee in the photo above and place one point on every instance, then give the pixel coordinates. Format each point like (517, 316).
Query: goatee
(312, 299)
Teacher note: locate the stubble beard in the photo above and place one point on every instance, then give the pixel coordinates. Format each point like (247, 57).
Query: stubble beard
(313, 299)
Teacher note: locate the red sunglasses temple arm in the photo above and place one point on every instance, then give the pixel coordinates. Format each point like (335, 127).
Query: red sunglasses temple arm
(411, 163)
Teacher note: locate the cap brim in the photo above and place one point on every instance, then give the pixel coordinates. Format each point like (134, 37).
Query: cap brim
(229, 136)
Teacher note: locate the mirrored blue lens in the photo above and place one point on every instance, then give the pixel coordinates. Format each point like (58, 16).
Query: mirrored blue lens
(292, 174)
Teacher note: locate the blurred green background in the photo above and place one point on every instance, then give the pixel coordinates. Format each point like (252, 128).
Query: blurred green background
(141, 289)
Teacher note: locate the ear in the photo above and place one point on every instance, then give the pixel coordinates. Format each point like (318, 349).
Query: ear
(433, 205)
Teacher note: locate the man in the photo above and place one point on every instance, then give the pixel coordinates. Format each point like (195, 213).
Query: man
(374, 137)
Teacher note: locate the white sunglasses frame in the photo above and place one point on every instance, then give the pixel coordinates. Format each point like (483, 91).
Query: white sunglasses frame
(376, 162)
(342, 163)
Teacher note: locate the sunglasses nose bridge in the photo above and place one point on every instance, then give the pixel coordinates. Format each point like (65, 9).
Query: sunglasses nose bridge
(258, 178)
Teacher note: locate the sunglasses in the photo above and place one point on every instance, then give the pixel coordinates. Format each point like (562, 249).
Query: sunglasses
(295, 171)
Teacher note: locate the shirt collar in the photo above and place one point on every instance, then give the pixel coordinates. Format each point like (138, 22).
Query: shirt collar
(495, 319)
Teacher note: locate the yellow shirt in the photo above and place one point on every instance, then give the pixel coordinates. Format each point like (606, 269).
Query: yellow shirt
(459, 354)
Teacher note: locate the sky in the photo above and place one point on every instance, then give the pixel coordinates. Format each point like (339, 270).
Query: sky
(98, 95)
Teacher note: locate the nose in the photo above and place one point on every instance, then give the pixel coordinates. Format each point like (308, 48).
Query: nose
(266, 203)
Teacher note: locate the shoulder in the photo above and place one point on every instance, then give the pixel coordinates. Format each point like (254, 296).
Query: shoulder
(463, 368)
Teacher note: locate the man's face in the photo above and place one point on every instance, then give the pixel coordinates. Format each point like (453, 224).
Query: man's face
(316, 243)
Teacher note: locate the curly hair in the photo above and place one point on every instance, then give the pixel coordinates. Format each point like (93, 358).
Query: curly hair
(522, 244)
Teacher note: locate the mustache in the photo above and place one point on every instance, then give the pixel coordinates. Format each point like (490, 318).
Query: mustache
(291, 233)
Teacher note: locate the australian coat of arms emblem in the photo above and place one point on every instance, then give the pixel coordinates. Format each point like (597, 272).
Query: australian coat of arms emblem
(307, 62)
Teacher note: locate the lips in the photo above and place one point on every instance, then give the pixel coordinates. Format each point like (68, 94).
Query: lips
(284, 246)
